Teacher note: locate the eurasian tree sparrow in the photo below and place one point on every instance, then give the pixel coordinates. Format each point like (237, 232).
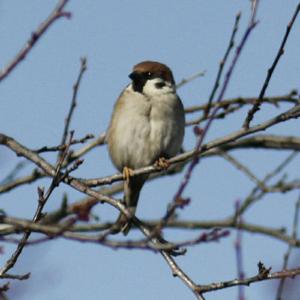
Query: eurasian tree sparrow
(147, 125)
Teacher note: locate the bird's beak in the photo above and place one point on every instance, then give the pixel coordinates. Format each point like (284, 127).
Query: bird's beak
(134, 76)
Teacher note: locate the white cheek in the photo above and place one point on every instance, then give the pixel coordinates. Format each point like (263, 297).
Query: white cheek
(150, 89)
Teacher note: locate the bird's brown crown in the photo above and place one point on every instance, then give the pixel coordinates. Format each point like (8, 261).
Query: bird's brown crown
(157, 69)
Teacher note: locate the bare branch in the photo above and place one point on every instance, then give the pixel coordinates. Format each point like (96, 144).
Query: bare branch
(252, 197)
(85, 149)
(243, 168)
(195, 158)
(12, 175)
(239, 254)
(83, 67)
(35, 174)
(289, 250)
(261, 276)
(43, 197)
(280, 52)
(62, 147)
(185, 81)
(259, 141)
(291, 98)
(56, 14)
(21, 150)
(17, 225)
(222, 64)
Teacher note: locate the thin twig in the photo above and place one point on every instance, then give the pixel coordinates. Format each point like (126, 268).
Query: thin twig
(13, 173)
(56, 14)
(187, 80)
(222, 64)
(17, 277)
(65, 231)
(35, 174)
(234, 106)
(252, 197)
(227, 78)
(221, 115)
(76, 184)
(263, 275)
(258, 141)
(63, 147)
(43, 197)
(21, 150)
(243, 169)
(280, 52)
(176, 270)
(266, 141)
(292, 98)
(16, 225)
(289, 250)
(239, 255)
(83, 67)
(99, 141)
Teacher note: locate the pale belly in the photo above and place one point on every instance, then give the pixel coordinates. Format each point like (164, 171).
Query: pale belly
(141, 138)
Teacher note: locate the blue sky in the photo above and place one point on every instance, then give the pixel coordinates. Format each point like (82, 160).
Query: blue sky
(189, 36)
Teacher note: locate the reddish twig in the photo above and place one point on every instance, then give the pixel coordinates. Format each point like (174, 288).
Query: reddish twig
(238, 51)
(222, 64)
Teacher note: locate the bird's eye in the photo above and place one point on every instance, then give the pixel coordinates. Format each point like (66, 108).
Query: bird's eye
(149, 75)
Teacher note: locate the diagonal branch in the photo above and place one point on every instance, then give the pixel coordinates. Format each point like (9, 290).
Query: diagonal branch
(198, 147)
(56, 14)
(83, 67)
(280, 52)
(43, 197)
(222, 64)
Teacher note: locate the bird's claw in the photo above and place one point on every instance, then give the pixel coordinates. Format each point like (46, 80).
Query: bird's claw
(162, 163)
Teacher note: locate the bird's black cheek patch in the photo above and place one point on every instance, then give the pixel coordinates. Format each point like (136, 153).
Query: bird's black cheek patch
(159, 85)
(138, 85)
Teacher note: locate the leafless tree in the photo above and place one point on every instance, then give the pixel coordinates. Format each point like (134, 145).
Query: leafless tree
(64, 222)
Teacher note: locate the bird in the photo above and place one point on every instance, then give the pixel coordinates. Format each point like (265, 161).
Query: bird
(146, 128)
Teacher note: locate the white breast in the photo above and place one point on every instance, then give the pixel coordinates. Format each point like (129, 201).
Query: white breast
(145, 128)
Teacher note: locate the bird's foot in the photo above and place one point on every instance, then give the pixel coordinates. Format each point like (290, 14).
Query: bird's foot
(162, 163)
(127, 173)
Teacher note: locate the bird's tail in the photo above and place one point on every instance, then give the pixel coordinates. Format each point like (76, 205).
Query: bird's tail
(131, 196)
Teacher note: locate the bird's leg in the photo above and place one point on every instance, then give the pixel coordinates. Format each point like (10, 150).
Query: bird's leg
(162, 163)
(127, 173)
(123, 223)
(122, 219)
